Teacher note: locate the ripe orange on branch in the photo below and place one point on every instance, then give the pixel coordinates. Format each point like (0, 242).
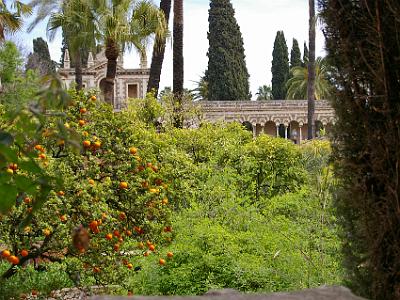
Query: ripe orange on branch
(123, 185)
(13, 259)
(24, 253)
(133, 150)
(6, 253)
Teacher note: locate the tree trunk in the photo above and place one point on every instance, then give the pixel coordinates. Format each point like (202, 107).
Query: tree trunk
(112, 52)
(311, 72)
(178, 60)
(78, 70)
(158, 53)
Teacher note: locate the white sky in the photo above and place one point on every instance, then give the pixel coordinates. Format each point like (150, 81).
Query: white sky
(259, 20)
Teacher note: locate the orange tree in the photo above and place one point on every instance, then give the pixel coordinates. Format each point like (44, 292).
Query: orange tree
(113, 204)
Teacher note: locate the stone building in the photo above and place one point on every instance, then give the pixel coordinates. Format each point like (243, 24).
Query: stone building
(129, 83)
(281, 118)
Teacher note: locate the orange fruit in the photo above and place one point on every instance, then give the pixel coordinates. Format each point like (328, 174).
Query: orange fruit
(109, 236)
(61, 143)
(170, 254)
(164, 201)
(93, 98)
(161, 261)
(6, 253)
(152, 247)
(82, 122)
(61, 193)
(116, 233)
(116, 247)
(13, 259)
(13, 167)
(91, 181)
(24, 253)
(96, 270)
(130, 266)
(39, 148)
(86, 144)
(83, 110)
(46, 232)
(147, 253)
(27, 200)
(123, 185)
(128, 233)
(133, 150)
(63, 218)
(97, 144)
(167, 229)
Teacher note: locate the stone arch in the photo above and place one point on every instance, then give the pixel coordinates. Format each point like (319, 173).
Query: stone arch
(318, 127)
(270, 128)
(294, 131)
(247, 125)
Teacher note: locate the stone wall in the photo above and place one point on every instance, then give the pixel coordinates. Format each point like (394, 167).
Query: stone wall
(322, 293)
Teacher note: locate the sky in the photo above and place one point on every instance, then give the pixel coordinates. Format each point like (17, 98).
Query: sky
(259, 20)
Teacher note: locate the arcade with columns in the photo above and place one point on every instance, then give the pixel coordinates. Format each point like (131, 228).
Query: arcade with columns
(281, 118)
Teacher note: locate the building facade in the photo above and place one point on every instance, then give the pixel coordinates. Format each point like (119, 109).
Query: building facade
(129, 83)
(284, 118)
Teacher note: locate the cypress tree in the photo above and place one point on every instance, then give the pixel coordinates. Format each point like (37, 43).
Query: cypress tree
(40, 59)
(280, 67)
(362, 40)
(305, 55)
(295, 55)
(227, 75)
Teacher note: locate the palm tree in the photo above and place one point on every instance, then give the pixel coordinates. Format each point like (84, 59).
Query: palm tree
(11, 20)
(78, 23)
(264, 93)
(311, 71)
(178, 71)
(297, 86)
(158, 53)
(201, 91)
(126, 23)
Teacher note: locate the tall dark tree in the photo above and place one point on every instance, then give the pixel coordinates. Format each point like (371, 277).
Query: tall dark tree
(178, 76)
(178, 70)
(227, 75)
(158, 53)
(295, 55)
(305, 55)
(40, 59)
(311, 72)
(362, 40)
(280, 67)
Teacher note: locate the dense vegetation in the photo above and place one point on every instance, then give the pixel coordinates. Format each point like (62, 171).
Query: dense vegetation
(367, 139)
(157, 210)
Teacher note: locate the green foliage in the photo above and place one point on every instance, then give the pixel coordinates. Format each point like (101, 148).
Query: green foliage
(235, 211)
(295, 55)
(227, 75)
(366, 135)
(280, 67)
(297, 84)
(264, 93)
(10, 62)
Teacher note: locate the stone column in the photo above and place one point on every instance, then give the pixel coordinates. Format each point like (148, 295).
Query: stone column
(254, 130)
(286, 128)
(277, 129)
(300, 133)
